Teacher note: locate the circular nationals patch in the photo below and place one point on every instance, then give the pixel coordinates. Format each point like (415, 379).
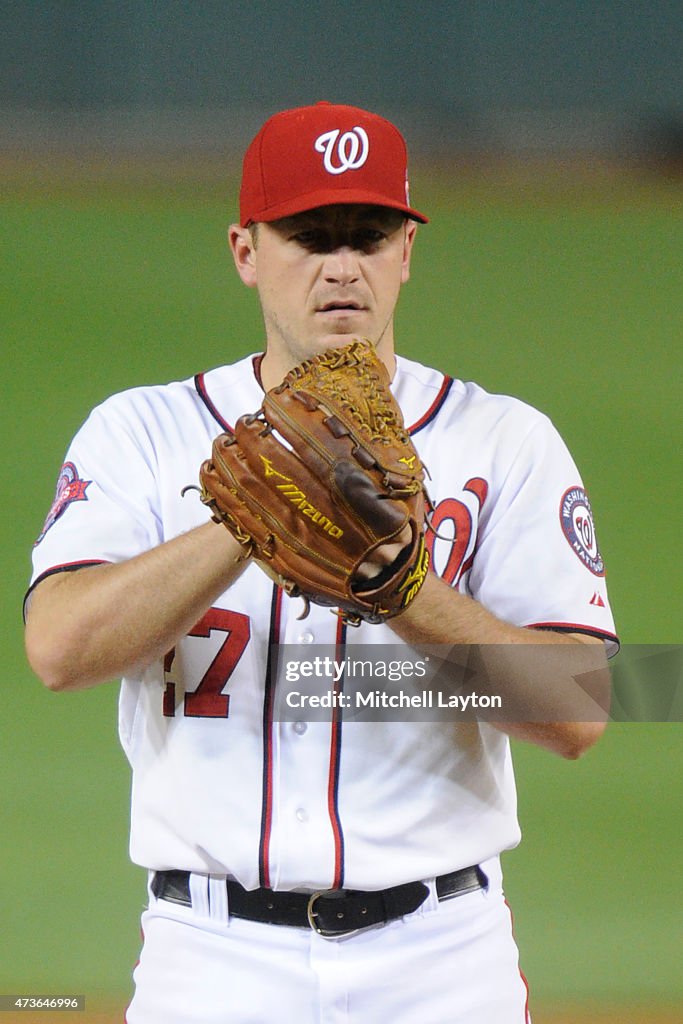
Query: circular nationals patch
(576, 518)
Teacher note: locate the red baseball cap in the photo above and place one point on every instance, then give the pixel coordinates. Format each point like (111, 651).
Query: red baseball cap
(322, 155)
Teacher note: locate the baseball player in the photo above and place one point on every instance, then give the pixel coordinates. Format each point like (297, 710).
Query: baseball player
(315, 870)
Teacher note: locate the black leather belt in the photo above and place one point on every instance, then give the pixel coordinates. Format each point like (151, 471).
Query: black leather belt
(330, 912)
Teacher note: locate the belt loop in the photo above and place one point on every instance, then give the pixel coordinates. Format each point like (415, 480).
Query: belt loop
(432, 902)
(199, 894)
(219, 911)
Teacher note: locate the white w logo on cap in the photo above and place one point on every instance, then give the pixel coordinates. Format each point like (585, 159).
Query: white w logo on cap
(350, 149)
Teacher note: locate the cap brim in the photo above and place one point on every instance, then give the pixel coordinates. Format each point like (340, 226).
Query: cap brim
(331, 197)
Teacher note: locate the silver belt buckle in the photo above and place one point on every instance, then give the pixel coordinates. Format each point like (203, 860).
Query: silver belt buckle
(311, 914)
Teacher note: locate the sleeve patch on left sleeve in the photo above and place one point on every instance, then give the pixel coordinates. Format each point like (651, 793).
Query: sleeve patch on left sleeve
(576, 519)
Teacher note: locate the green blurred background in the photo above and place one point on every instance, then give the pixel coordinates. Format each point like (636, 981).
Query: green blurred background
(563, 290)
(547, 146)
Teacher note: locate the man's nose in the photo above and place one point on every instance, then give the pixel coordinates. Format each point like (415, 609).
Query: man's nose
(341, 265)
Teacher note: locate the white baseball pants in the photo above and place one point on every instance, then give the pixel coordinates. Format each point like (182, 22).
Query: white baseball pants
(454, 962)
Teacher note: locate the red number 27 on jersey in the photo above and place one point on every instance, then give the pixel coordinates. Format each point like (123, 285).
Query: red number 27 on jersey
(208, 700)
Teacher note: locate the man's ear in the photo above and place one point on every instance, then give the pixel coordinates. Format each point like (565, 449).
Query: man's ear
(243, 249)
(409, 240)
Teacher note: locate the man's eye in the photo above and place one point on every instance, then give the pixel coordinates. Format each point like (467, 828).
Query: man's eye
(367, 238)
(308, 239)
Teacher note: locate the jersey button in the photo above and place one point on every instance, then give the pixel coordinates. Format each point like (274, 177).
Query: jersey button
(301, 814)
(306, 637)
(300, 728)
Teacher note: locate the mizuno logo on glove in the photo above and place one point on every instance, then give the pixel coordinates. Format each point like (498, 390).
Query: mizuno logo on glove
(297, 497)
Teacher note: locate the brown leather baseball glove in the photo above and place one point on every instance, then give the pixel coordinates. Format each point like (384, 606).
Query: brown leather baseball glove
(323, 485)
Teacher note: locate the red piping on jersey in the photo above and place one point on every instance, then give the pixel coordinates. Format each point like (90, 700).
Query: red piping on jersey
(268, 699)
(256, 364)
(333, 777)
(204, 395)
(433, 409)
(427, 416)
(137, 964)
(527, 1018)
(66, 567)
(573, 627)
(200, 386)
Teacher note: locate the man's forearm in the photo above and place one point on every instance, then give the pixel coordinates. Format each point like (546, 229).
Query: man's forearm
(94, 624)
(542, 682)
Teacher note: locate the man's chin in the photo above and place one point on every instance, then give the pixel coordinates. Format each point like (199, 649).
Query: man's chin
(340, 340)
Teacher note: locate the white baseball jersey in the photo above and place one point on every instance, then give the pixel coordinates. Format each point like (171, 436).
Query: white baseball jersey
(220, 786)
